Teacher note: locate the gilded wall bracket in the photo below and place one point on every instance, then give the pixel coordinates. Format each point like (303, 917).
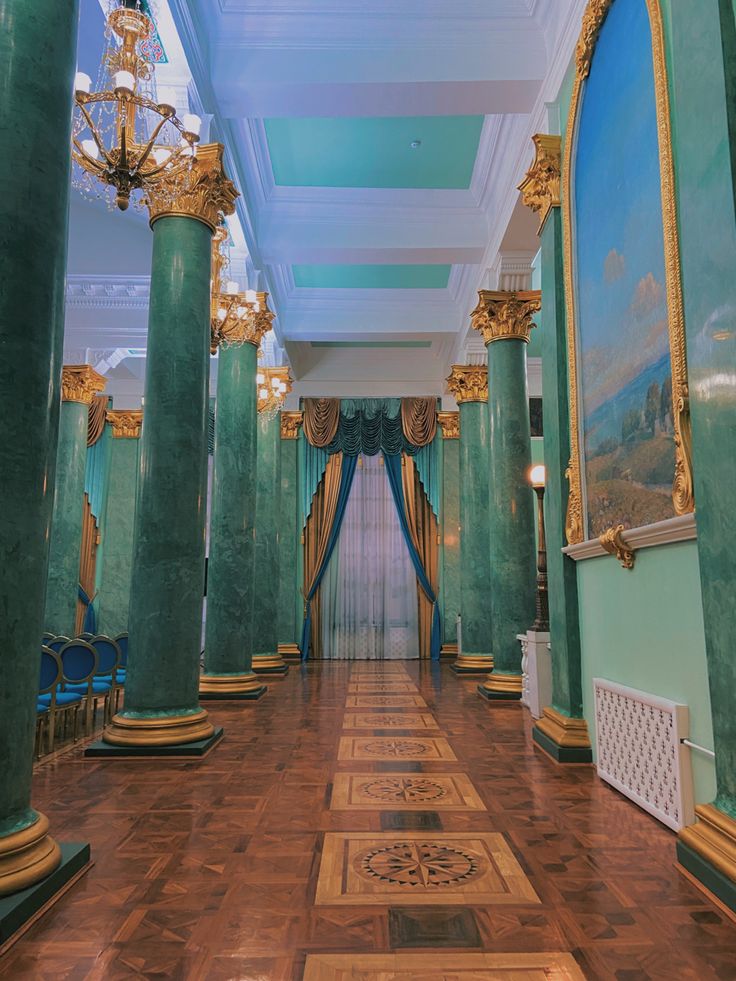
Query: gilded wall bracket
(613, 542)
(540, 189)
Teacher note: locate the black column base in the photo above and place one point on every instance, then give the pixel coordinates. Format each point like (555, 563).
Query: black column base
(707, 875)
(464, 670)
(280, 670)
(499, 696)
(103, 750)
(241, 696)
(562, 754)
(18, 911)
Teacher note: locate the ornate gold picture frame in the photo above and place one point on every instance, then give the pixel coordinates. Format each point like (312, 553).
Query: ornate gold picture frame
(682, 486)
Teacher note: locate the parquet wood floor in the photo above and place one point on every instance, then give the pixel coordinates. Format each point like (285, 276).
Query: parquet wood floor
(209, 869)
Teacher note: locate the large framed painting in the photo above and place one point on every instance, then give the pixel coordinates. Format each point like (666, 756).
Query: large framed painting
(630, 462)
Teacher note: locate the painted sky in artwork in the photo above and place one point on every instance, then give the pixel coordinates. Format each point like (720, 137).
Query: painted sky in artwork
(622, 313)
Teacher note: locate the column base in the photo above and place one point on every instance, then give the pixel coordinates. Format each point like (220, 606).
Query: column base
(448, 650)
(565, 739)
(20, 910)
(472, 664)
(230, 687)
(158, 731)
(707, 850)
(290, 650)
(269, 664)
(501, 687)
(27, 856)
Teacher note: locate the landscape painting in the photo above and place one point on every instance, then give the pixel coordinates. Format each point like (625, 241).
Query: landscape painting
(623, 351)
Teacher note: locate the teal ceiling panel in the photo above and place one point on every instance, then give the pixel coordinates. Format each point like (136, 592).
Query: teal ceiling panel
(393, 151)
(386, 277)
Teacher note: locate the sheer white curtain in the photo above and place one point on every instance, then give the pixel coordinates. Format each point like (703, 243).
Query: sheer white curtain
(369, 592)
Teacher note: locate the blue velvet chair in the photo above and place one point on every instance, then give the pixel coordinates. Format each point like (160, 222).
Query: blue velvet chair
(108, 659)
(57, 642)
(79, 663)
(51, 698)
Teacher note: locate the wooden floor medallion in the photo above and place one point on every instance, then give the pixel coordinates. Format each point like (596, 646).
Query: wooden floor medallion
(441, 967)
(396, 748)
(404, 791)
(385, 700)
(389, 720)
(414, 868)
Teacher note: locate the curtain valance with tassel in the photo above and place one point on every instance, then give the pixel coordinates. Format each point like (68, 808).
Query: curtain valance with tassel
(369, 426)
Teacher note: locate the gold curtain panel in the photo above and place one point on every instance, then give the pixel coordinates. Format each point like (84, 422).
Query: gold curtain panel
(321, 419)
(96, 418)
(419, 420)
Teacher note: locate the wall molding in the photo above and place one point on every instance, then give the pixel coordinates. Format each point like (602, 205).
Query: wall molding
(682, 528)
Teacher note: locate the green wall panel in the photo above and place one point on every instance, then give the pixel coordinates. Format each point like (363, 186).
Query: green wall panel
(372, 276)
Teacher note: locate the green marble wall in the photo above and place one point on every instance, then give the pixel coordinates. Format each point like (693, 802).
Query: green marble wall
(268, 517)
(475, 541)
(702, 61)
(168, 583)
(450, 550)
(66, 523)
(289, 538)
(117, 547)
(37, 54)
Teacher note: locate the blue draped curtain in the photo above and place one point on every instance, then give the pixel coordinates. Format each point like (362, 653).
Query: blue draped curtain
(346, 480)
(393, 469)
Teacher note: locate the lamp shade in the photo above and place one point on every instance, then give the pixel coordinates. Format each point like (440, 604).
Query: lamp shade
(537, 475)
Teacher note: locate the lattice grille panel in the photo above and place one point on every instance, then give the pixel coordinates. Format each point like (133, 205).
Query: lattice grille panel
(640, 751)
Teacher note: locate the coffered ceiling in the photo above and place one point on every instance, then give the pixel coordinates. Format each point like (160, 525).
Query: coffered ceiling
(377, 145)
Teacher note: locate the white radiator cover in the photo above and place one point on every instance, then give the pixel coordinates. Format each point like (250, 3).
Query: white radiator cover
(640, 753)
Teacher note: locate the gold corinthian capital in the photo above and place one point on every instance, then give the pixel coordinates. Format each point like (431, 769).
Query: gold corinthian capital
(202, 191)
(80, 383)
(126, 423)
(468, 383)
(505, 315)
(290, 423)
(540, 189)
(450, 423)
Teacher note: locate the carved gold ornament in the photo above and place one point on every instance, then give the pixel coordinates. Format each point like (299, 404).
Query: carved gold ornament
(468, 383)
(540, 189)
(202, 191)
(503, 314)
(126, 423)
(613, 542)
(273, 390)
(80, 383)
(682, 488)
(236, 317)
(595, 14)
(290, 423)
(450, 423)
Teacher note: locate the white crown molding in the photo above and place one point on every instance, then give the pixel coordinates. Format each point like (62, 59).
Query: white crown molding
(107, 292)
(682, 528)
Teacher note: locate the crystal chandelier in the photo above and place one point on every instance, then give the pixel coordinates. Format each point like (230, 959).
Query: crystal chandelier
(122, 136)
(232, 312)
(273, 386)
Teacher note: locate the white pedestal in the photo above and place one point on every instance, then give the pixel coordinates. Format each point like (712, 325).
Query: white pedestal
(536, 671)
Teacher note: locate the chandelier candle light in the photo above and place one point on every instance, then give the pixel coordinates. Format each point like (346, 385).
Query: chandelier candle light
(120, 135)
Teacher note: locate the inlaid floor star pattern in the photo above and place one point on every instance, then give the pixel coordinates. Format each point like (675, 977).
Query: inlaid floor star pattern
(430, 843)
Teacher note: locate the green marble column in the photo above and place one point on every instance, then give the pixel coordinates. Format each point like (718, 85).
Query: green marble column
(450, 520)
(117, 554)
(703, 74)
(162, 684)
(228, 671)
(505, 319)
(469, 385)
(37, 54)
(289, 624)
(79, 383)
(562, 731)
(266, 658)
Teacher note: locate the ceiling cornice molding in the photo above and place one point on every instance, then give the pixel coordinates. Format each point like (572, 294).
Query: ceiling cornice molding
(107, 292)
